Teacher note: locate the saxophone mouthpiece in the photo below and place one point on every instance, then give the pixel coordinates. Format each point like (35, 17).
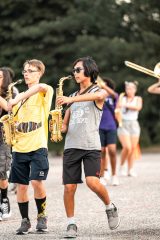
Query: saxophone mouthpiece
(19, 81)
(70, 77)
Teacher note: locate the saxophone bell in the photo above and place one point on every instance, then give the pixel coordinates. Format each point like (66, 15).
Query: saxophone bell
(9, 128)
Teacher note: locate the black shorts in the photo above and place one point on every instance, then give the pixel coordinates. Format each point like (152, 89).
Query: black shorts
(29, 166)
(108, 137)
(72, 164)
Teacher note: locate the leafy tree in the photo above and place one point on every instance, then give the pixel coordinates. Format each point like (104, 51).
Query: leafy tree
(59, 31)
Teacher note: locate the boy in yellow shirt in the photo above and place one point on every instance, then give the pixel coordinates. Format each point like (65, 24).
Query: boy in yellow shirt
(30, 155)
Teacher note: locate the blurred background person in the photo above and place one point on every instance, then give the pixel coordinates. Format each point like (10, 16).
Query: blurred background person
(108, 133)
(12, 187)
(129, 132)
(6, 77)
(154, 88)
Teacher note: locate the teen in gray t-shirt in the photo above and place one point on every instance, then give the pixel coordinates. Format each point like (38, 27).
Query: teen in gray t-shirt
(82, 144)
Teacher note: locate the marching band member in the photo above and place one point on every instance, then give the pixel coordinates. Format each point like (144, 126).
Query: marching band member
(129, 132)
(82, 143)
(155, 88)
(30, 155)
(108, 134)
(6, 77)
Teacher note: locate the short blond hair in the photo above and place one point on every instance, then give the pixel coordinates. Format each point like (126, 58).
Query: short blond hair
(36, 63)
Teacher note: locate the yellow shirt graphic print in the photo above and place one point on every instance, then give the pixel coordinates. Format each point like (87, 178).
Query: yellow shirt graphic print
(32, 122)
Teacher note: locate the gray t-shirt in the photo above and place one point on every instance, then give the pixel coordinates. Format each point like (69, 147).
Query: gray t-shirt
(83, 129)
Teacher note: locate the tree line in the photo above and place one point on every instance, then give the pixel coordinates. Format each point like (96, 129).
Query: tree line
(58, 32)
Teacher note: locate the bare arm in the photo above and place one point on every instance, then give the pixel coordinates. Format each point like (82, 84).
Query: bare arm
(155, 88)
(65, 121)
(119, 103)
(31, 91)
(137, 107)
(3, 104)
(98, 97)
(110, 91)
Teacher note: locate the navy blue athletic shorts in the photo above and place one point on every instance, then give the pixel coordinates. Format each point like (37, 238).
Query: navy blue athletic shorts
(108, 137)
(29, 166)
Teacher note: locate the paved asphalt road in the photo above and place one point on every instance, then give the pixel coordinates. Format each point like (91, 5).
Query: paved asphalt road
(138, 200)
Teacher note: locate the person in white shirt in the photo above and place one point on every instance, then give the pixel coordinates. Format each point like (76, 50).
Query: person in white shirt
(129, 132)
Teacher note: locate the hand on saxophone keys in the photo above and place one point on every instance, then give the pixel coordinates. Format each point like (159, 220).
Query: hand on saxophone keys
(60, 100)
(64, 128)
(10, 104)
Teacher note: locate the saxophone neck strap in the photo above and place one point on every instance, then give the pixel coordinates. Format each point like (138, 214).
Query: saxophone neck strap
(22, 102)
(85, 91)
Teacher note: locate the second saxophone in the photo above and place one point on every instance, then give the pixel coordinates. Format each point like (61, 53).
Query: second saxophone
(9, 127)
(55, 124)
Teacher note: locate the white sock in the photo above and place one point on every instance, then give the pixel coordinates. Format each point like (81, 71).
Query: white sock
(71, 220)
(109, 206)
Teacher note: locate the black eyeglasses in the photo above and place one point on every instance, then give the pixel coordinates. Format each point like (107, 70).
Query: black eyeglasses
(29, 71)
(77, 70)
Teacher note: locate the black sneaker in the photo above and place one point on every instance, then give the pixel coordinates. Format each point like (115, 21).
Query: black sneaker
(42, 224)
(113, 218)
(25, 227)
(5, 209)
(71, 231)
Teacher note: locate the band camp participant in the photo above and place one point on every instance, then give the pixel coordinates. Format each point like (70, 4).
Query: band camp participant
(108, 133)
(30, 159)
(129, 131)
(155, 88)
(82, 142)
(6, 77)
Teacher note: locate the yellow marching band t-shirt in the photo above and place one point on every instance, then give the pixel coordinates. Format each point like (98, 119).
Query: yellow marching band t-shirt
(32, 122)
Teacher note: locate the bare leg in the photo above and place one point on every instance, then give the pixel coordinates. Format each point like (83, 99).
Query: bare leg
(39, 189)
(113, 158)
(134, 142)
(126, 148)
(69, 192)
(95, 185)
(104, 160)
(22, 194)
(3, 184)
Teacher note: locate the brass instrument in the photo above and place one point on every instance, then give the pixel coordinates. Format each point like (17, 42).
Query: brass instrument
(55, 124)
(100, 82)
(118, 113)
(9, 128)
(155, 73)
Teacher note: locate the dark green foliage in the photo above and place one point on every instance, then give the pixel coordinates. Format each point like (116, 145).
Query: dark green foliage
(57, 32)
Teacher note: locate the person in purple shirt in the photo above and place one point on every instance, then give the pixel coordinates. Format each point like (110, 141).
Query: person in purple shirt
(108, 134)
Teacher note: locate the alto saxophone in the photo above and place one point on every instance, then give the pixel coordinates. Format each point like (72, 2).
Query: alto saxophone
(9, 128)
(55, 124)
